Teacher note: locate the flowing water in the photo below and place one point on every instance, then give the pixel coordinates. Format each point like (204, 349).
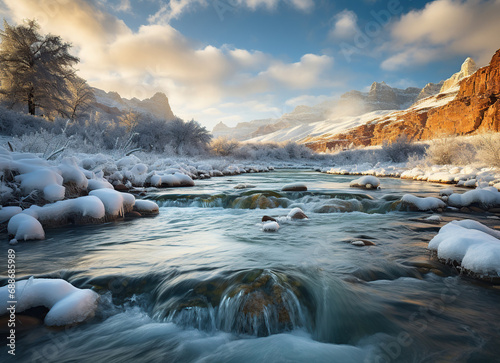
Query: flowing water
(201, 282)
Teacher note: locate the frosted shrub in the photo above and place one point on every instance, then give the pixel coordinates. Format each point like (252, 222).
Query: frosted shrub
(401, 149)
(487, 146)
(222, 146)
(444, 151)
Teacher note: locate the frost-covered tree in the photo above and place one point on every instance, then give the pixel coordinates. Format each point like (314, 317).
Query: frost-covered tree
(80, 100)
(34, 69)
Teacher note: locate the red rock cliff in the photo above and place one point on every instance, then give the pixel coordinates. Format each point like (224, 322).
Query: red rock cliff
(476, 108)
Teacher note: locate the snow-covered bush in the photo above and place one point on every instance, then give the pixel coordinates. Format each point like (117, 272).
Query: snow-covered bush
(222, 146)
(450, 150)
(487, 146)
(277, 151)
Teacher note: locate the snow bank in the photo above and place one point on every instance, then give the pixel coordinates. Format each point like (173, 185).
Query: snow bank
(366, 182)
(24, 227)
(39, 180)
(67, 304)
(471, 244)
(64, 211)
(422, 204)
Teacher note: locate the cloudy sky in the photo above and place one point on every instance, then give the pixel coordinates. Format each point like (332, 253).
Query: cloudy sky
(239, 60)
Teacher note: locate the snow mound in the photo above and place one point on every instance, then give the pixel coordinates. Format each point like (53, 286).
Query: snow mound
(39, 180)
(7, 213)
(171, 180)
(422, 204)
(487, 197)
(67, 304)
(115, 203)
(94, 184)
(25, 227)
(471, 244)
(146, 207)
(366, 182)
(270, 226)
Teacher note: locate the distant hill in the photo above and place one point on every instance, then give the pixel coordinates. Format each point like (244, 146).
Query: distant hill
(112, 105)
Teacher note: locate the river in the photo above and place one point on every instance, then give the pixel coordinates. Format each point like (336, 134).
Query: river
(201, 282)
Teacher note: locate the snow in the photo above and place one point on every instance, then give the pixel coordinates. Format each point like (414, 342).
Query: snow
(54, 192)
(296, 213)
(66, 303)
(471, 244)
(487, 197)
(146, 206)
(71, 173)
(423, 204)
(7, 213)
(367, 181)
(38, 180)
(94, 184)
(115, 203)
(171, 180)
(244, 186)
(25, 227)
(446, 192)
(270, 226)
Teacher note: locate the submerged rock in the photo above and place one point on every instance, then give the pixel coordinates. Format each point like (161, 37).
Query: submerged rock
(294, 187)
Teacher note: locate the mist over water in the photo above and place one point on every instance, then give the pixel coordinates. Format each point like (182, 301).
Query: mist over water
(202, 282)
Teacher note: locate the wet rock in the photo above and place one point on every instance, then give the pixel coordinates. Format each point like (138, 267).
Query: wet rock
(297, 213)
(494, 210)
(267, 218)
(476, 209)
(362, 243)
(294, 187)
(132, 215)
(465, 210)
(121, 188)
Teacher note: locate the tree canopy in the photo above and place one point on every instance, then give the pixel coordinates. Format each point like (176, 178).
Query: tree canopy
(35, 70)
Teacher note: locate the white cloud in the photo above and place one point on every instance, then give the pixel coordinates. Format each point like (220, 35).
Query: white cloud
(308, 100)
(345, 26)
(157, 57)
(445, 28)
(309, 72)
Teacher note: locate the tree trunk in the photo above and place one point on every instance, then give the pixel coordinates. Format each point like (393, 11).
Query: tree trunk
(31, 103)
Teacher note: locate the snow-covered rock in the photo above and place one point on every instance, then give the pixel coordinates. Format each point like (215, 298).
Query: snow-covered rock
(115, 203)
(294, 187)
(24, 227)
(422, 204)
(366, 182)
(270, 226)
(471, 244)
(487, 197)
(146, 207)
(66, 303)
(7, 213)
(297, 213)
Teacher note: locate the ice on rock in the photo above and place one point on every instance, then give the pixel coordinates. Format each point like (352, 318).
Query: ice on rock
(24, 227)
(422, 204)
(270, 226)
(473, 245)
(115, 203)
(146, 207)
(367, 182)
(66, 303)
(7, 213)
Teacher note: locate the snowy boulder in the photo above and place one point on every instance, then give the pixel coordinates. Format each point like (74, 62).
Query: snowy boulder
(244, 186)
(146, 207)
(115, 203)
(71, 173)
(366, 182)
(270, 226)
(297, 213)
(66, 303)
(7, 213)
(362, 243)
(294, 187)
(422, 204)
(39, 180)
(79, 210)
(171, 180)
(94, 184)
(487, 197)
(446, 192)
(24, 227)
(472, 245)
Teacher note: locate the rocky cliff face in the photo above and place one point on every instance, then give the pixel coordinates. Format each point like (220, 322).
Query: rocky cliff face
(429, 90)
(474, 108)
(468, 68)
(112, 104)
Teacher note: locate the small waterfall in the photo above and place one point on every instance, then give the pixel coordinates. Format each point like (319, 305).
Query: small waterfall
(267, 305)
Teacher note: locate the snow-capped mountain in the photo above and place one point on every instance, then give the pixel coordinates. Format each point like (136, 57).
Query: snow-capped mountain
(354, 103)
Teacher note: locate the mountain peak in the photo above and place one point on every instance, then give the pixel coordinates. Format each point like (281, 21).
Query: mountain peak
(468, 68)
